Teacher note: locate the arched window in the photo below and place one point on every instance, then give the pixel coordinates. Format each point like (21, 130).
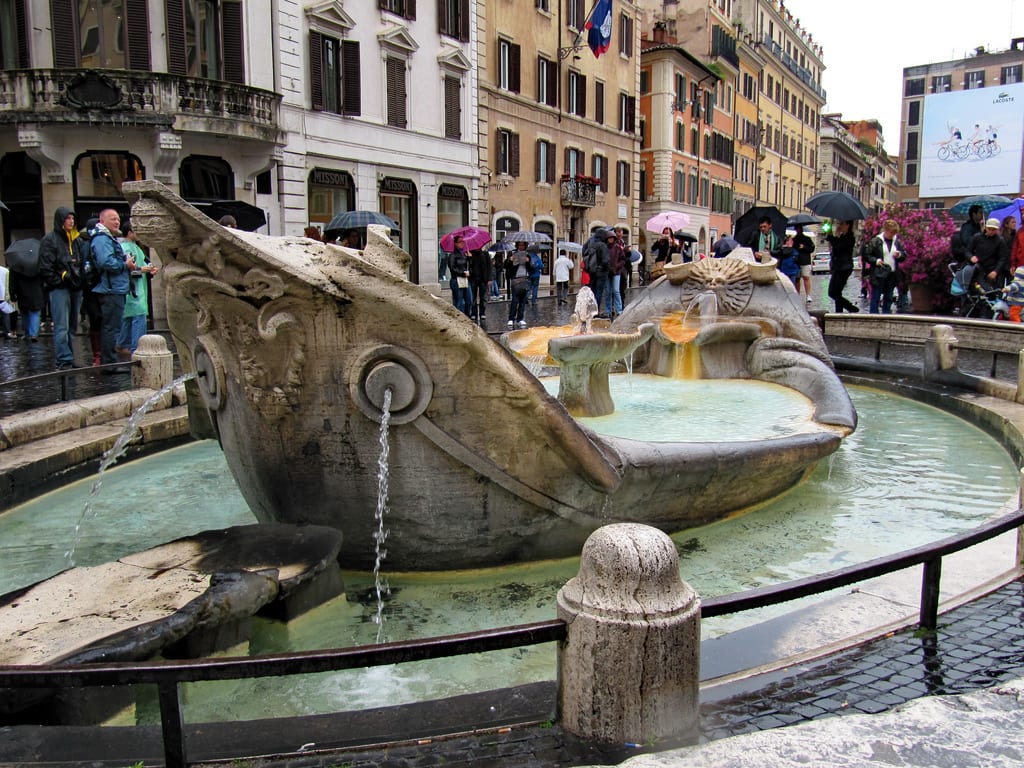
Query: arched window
(202, 178)
(97, 178)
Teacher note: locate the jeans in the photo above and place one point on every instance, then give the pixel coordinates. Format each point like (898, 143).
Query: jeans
(517, 303)
(132, 329)
(534, 287)
(478, 302)
(614, 295)
(31, 323)
(496, 287)
(112, 306)
(562, 291)
(883, 292)
(462, 298)
(64, 307)
(599, 285)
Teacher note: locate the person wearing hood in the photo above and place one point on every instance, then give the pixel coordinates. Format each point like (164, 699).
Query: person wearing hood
(112, 288)
(60, 268)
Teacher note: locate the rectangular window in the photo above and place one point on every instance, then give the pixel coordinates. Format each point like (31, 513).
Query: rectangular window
(914, 113)
(334, 74)
(508, 66)
(576, 94)
(680, 92)
(627, 113)
(680, 137)
(14, 35)
(599, 171)
(692, 193)
(975, 79)
(542, 5)
(679, 186)
(205, 39)
(397, 94)
(545, 170)
(645, 81)
(910, 173)
(452, 107)
(1010, 75)
(626, 35)
(599, 103)
(911, 151)
(623, 179)
(574, 161)
(914, 87)
(941, 83)
(508, 153)
(547, 82)
(575, 13)
(453, 19)
(404, 8)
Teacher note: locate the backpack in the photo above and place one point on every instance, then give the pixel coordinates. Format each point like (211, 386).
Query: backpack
(537, 263)
(91, 273)
(589, 252)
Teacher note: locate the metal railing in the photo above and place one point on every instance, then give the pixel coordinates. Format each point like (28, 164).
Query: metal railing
(167, 676)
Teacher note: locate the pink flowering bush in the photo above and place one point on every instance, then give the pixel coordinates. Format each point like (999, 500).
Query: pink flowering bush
(925, 235)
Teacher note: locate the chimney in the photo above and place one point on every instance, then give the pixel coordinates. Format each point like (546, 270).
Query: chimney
(659, 32)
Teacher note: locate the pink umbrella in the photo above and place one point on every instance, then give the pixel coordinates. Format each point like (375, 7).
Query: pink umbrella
(672, 219)
(475, 238)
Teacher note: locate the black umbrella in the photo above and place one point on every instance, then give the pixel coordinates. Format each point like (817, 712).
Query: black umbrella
(22, 256)
(802, 220)
(684, 236)
(837, 205)
(3, 207)
(247, 216)
(746, 225)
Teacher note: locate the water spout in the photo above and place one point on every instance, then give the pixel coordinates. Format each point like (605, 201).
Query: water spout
(706, 304)
(380, 585)
(115, 452)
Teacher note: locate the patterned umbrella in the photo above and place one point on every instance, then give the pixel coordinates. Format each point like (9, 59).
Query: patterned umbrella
(526, 237)
(672, 219)
(475, 238)
(358, 220)
(987, 202)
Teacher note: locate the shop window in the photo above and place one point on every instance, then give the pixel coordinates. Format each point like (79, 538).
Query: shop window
(205, 178)
(330, 192)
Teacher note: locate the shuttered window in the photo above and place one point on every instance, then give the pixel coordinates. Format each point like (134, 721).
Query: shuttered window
(545, 165)
(174, 14)
(452, 107)
(599, 103)
(396, 92)
(453, 18)
(136, 15)
(334, 74)
(508, 152)
(352, 95)
(205, 38)
(509, 58)
(234, 44)
(404, 8)
(13, 35)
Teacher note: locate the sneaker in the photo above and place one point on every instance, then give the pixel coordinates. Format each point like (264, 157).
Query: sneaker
(510, 323)
(522, 323)
(808, 299)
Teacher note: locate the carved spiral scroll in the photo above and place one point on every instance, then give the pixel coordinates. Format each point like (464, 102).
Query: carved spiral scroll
(389, 367)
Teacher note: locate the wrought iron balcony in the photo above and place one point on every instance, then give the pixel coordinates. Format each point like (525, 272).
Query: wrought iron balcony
(125, 98)
(579, 193)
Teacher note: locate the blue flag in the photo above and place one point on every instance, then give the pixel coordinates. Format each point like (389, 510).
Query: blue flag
(599, 27)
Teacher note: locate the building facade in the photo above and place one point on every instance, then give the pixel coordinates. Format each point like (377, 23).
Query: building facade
(558, 128)
(989, 70)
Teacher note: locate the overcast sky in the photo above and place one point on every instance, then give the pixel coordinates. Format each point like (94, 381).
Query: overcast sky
(866, 44)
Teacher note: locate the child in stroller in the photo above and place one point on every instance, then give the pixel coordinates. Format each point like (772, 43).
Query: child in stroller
(1013, 292)
(977, 298)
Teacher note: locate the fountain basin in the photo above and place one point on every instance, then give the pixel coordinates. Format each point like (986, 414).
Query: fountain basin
(295, 343)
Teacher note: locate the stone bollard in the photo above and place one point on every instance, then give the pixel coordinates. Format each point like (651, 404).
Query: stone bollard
(155, 368)
(940, 353)
(629, 669)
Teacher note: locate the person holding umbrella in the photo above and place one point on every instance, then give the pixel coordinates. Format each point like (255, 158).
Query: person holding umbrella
(27, 292)
(841, 242)
(60, 267)
(458, 265)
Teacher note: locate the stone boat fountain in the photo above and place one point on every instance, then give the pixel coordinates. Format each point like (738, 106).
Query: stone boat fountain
(296, 343)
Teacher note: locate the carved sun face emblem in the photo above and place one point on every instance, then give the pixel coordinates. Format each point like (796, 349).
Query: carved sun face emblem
(728, 278)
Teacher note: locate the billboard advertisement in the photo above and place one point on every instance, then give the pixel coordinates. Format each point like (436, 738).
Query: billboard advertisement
(972, 142)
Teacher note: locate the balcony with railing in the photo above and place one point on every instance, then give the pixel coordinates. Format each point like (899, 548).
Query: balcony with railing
(579, 192)
(802, 73)
(129, 98)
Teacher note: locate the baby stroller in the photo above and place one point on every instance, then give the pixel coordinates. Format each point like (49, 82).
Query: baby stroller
(977, 298)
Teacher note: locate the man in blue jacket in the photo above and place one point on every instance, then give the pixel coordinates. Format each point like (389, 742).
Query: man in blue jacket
(113, 286)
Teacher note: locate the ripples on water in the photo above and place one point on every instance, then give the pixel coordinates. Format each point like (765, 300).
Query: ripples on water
(910, 474)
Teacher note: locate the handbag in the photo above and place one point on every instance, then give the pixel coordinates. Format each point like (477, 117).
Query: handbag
(880, 273)
(462, 282)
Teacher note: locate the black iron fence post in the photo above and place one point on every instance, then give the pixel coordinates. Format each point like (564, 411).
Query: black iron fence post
(171, 724)
(930, 593)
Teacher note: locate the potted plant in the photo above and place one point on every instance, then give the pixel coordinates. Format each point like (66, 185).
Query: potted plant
(925, 234)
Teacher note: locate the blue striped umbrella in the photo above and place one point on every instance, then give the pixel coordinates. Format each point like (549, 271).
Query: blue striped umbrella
(359, 220)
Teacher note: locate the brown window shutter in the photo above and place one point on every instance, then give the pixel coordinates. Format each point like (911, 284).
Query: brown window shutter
(514, 162)
(568, 159)
(631, 114)
(514, 58)
(175, 15)
(452, 108)
(443, 22)
(65, 41)
(552, 85)
(316, 70)
(599, 103)
(396, 92)
(136, 15)
(604, 176)
(234, 45)
(537, 171)
(581, 91)
(21, 23)
(352, 94)
(410, 9)
(551, 163)
(464, 20)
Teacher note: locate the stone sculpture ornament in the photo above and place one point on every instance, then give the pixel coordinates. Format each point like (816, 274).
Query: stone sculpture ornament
(296, 342)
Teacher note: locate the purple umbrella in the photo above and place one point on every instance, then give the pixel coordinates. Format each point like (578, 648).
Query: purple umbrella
(1013, 209)
(475, 237)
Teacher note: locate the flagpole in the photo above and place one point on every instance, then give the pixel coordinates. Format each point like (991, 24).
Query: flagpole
(563, 53)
